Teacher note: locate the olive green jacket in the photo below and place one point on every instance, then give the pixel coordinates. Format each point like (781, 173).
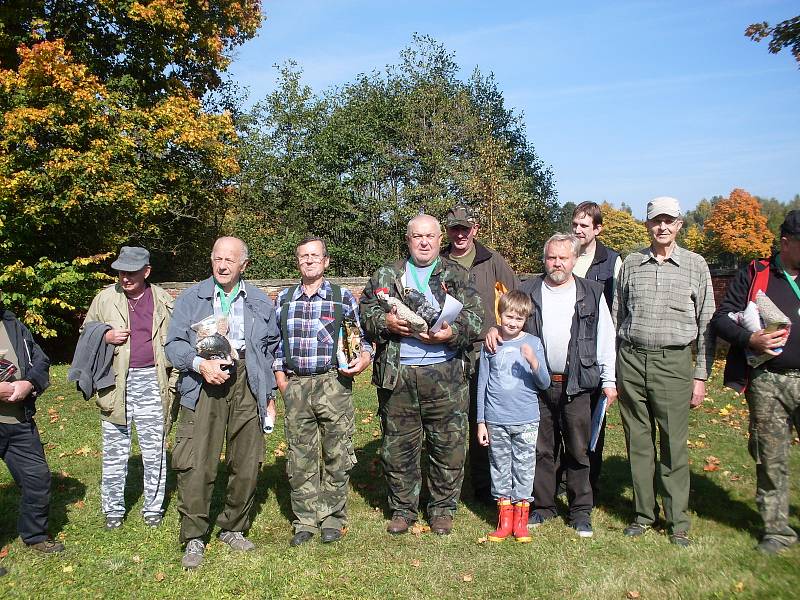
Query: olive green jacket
(111, 306)
(448, 277)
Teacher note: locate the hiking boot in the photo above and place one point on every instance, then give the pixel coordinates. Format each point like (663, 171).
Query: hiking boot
(237, 541)
(193, 556)
(771, 546)
(113, 522)
(48, 546)
(583, 528)
(442, 524)
(399, 524)
(636, 530)
(680, 538)
(330, 535)
(152, 521)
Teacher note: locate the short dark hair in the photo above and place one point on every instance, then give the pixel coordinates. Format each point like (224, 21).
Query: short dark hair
(515, 302)
(312, 238)
(590, 209)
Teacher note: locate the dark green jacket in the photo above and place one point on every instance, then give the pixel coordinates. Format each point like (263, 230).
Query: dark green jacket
(448, 277)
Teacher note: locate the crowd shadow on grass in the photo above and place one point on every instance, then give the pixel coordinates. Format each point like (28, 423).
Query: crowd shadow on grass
(707, 498)
(367, 477)
(64, 491)
(273, 477)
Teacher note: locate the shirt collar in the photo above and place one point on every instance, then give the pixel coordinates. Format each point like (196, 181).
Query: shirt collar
(323, 292)
(675, 257)
(242, 290)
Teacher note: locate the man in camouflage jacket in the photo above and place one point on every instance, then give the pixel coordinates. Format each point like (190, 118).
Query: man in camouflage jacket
(421, 379)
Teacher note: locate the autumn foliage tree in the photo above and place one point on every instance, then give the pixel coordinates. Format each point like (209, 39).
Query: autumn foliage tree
(621, 231)
(104, 140)
(737, 227)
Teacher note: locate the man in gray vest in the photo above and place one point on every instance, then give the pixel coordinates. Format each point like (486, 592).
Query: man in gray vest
(579, 363)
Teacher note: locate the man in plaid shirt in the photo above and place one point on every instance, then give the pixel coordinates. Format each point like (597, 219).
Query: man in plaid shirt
(317, 393)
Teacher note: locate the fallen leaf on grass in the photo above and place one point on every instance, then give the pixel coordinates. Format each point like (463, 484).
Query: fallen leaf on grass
(4, 552)
(415, 563)
(482, 540)
(466, 577)
(739, 587)
(85, 451)
(702, 436)
(366, 420)
(735, 477)
(136, 558)
(419, 529)
(160, 576)
(376, 433)
(712, 464)
(67, 569)
(53, 414)
(80, 504)
(633, 595)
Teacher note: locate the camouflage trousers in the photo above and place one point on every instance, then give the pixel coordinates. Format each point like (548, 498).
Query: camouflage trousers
(512, 460)
(774, 401)
(142, 408)
(319, 421)
(428, 403)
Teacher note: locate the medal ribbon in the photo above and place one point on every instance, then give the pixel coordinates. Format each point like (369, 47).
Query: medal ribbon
(420, 285)
(789, 278)
(226, 300)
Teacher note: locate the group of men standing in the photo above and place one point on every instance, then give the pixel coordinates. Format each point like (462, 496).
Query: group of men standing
(610, 328)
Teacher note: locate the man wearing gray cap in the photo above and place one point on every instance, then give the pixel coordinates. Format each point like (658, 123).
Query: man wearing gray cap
(491, 276)
(772, 388)
(663, 306)
(136, 316)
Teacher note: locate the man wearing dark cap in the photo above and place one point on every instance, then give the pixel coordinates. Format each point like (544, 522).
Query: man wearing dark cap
(136, 315)
(772, 388)
(489, 275)
(663, 306)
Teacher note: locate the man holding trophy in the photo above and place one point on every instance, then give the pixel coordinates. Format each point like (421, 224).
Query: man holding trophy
(322, 348)
(222, 339)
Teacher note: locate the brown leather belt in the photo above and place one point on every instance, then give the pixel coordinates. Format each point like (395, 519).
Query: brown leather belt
(557, 377)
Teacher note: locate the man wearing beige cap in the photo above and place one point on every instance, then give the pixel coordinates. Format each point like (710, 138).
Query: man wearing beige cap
(663, 306)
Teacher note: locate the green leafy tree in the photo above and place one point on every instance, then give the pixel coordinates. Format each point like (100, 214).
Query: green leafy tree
(785, 34)
(621, 231)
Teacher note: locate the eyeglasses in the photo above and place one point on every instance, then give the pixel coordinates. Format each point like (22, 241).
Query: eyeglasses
(310, 258)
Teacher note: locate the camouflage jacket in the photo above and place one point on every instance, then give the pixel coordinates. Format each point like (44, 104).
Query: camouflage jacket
(447, 278)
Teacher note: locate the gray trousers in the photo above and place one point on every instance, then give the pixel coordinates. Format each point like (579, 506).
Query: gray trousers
(512, 460)
(143, 408)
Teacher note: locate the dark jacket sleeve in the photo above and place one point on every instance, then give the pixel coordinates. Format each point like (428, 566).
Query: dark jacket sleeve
(38, 365)
(735, 300)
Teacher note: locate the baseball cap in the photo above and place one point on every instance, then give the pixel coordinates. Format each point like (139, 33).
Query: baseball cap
(459, 216)
(663, 205)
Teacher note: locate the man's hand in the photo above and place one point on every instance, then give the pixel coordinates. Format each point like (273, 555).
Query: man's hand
(357, 365)
(212, 372)
(483, 435)
(762, 342)
(15, 391)
(281, 381)
(6, 391)
(611, 395)
(397, 325)
(493, 340)
(117, 337)
(698, 393)
(444, 335)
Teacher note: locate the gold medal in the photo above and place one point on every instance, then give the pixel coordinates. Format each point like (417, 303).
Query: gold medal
(222, 326)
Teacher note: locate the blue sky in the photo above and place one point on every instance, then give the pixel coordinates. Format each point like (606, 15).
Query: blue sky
(625, 100)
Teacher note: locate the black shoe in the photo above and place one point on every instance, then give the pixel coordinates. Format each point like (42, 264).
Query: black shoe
(331, 535)
(636, 530)
(301, 537)
(48, 546)
(680, 538)
(770, 546)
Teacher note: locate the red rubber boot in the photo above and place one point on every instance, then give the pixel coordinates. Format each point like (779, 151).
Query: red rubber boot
(505, 521)
(521, 521)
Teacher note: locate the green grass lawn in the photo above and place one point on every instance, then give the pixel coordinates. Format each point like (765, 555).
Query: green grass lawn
(135, 561)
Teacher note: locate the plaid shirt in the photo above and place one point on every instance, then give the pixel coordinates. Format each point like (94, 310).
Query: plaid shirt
(309, 323)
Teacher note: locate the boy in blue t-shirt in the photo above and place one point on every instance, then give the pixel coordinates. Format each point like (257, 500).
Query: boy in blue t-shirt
(508, 414)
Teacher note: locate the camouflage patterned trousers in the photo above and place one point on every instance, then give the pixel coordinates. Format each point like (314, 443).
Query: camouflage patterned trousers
(512, 460)
(319, 420)
(142, 407)
(774, 401)
(431, 403)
